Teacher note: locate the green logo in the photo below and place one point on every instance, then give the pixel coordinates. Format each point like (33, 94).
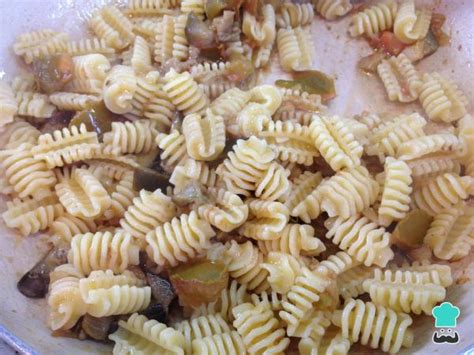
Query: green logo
(445, 315)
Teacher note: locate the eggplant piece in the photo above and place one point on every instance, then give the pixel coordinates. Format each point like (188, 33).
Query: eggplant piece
(369, 63)
(52, 73)
(97, 328)
(161, 289)
(149, 179)
(156, 311)
(35, 283)
(97, 119)
(198, 33)
(423, 48)
(311, 81)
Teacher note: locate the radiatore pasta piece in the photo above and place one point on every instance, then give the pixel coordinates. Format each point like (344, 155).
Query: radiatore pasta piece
(411, 25)
(374, 19)
(332, 9)
(8, 104)
(294, 49)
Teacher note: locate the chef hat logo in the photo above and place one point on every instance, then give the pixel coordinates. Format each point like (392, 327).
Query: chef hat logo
(445, 315)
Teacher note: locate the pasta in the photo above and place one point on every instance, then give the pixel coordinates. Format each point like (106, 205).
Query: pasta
(180, 42)
(262, 33)
(205, 136)
(442, 192)
(148, 211)
(396, 191)
(404, 291)
(375, 19)
(228, 213)
(103, 251)
(274, 185)
(434, 273)
(294, 50)
(335, 143)
(441, 98)
(216, 89)
(164, 39)
(259, 329)
(150, 7)
(398, 72)
(8, 104)
(126, 137)
(73, 102)
(427, 167)
(225, 343)
(179, 240)
(296, 240)
(451, 234)
(34, 105)
(294, 15)
(282, 271)
(361, 239)
(119, 88)
(314, 326)
(252, 119)
(267, 220)
(193, 6)
(332, 9)
(328, 344)
(142, 335)
(67, 226)
(301, 188)
(230, 103)
(375, 326)
(411, 25)
(113, 26)
(90, 46)
(40, 44)
(268, 96)
(139, 56)
(350, 282)
(193, 170)
(82, 194)
(185, 93)
(174, 148)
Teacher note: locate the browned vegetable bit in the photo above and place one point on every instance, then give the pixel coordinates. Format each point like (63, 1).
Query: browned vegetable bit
(161, 289)
(149, 179)
(311, 81)
(52, 73)
(98, 119)
(155, 311)
(198, 33)
(200, 282)
(35, 283)
(191, 193)
(369, 63)
(239, 69)
(97, 328)
(411, 230)
(423, 48)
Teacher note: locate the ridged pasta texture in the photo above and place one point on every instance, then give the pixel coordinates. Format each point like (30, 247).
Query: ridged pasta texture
(442, 192)
(335, 142)
(260, 329)
(146, 336)
(411, 25)
(193, 170)
(68, 101)
(120, 86)
(245, 165)
(294, 49)
(90, 46)
(282, 271)
(201, 327)
(442, 144)
(300, 201)
(404, 291)
(294, 15)
(184, 92)
(67, 226)
(130, 137)
(205, 136)
(294, 239)
(434, 273)
(333, 343)
(230, 103)
(103, 251)
(82, 194)
(267, 220)
(332, 9)
(30, 216)
(173, 146)
(314, 325)
(245, 265)
(441, 98)
(138, 56)
(360, 238)
(40, 44)
(66, 146)
(8, 104)
(20, 132)
(397, 73)
(226, 343)
(350, 282)
(26, 175)
(374, 19)
(110, 24)
(31, 104)
(375, 326)
(106, 294)
(227, 213)
(180, 240)
(396, 191)
(451, 234)
(148, 211)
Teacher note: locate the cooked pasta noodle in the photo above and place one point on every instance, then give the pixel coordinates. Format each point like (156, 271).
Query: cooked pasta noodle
(294, 49)
(69, 101)
(85, 46)
(173, 146)
(127, 137)
(294, 15)
(119, 88)
(8, 104)
(375, 19)
(332, 9)
(226, 343)
(411, 25)
(35, 105)
(67, 226)
(40, 44)
(184, 92)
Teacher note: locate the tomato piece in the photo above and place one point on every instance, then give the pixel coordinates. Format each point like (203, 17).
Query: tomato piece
(390, 44)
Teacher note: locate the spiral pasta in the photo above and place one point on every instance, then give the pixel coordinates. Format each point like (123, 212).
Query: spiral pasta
(24, 82)
(67, 226)
(396, 191)
(442, 192)
(386, 138)
(227, 213)
(179, 240)
(150, 7)
(103, 251)
(106, 294)
(361, 239)
(27, 176)
(332, 9)
(262, 33)
(90, 67)
(245, 265)
(30, 216)
(164, 39)
(375, 326)
(113, 26)
(301, 188)
(269, 219)
(127, 137)
(85, 46)
(68, 101)
(267, 95)
(348, 192)
(65, 302)
(259, 329)
(205, 136)
(8, 104)
(335, 142)
(148, 210)
(245, 165)
(441, 98)
(230, 103)
(375, 19)
(252, 119)
(434, 273)
(411, 25)
(193, 6)
(294, 239)
(398, 72)
(294, 15)
(139, 56)
(282, 271)
(350, 282)
(180, 42)
(451, 234)
(213, 90)
(119, 88)
(122, 196)
(192, 170)
(82, 194)
(226, 343)
(294, 49)
(330, 343)
(174, 148)
(184, 92)
(40, 44)
(31, 104)
(428, 167)
(142, 335)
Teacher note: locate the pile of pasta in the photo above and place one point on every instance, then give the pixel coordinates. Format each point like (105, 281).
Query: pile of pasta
(299, 206)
